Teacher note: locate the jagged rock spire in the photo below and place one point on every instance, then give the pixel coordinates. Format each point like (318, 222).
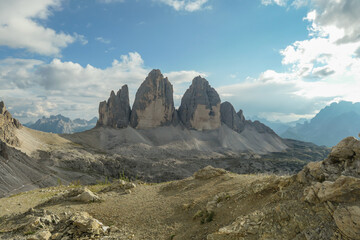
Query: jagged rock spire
(230, 118)
(116, 111)
(154, 103)
(200, 106)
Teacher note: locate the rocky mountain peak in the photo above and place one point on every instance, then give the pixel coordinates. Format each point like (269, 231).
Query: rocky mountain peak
(200, 106)
(155, 74)
(154, 103)
(2, 108)
(8, 124)
(116, 111)
(231, 119)
(241, 115)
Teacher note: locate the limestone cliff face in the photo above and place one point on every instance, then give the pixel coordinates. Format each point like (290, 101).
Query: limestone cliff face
(116, 111)
(8, 124)
(200, 106)
(154, 103)
(230, 118)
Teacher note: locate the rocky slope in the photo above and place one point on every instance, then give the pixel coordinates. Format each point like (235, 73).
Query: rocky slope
(321, 202)
(342, 118)
(60, 124)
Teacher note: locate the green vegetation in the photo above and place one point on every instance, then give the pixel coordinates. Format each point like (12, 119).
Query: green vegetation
(29, 233)
(204, 216)
(123, 177)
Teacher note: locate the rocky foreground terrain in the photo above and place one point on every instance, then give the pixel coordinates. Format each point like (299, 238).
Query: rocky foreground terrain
(320, 202)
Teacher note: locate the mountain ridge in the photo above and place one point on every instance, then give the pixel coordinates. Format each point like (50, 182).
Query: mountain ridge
(61, 124)
(329, 126)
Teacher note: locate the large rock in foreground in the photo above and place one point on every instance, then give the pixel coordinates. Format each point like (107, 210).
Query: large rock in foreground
(154, 103)
(336, 182)
(200, 106)
(116, 111)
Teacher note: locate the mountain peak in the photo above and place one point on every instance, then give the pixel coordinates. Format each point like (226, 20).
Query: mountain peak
(116, 111)
(8, 124)
(155, 73)
(154, 103)
(200, 106)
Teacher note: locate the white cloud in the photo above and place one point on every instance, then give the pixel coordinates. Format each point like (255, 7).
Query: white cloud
(340, 14)
(300, 3)
(186, 5)
(321, 69)
(81, 38)
(110, 1)
(103, 40)
(34, 89)
(183, 76)
(181, 81)
(19, 27)
(271, 2)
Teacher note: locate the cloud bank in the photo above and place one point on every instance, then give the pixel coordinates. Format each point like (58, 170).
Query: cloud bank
(20, 27)
(186, 5)
(321, 69)
(34, 89)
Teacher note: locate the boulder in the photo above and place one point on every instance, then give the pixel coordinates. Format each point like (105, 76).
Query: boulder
(119, 186)
(344, 189)
(87, 225)
(347, 149)
(347, 219)
(200, 106)
(230, 118)
(116, 111)
(344, 160)
(86, 196)
(154, 103)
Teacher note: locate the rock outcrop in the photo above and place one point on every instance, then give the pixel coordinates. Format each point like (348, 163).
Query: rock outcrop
(154, 103)
(40, 224)
(336, 182)
(8, 124)
(4, 150)
(200, 106)
(344, 159)
(231, 119)
(116, 111)
(347, 219)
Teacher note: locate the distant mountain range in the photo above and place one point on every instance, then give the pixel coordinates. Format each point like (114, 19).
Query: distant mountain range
(329, 126)
(61, 124)
(279, 127)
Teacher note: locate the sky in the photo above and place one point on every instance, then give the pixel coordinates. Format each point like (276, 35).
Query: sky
(276, 59)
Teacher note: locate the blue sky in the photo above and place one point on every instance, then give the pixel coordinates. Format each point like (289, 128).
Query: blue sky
(278, 59)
